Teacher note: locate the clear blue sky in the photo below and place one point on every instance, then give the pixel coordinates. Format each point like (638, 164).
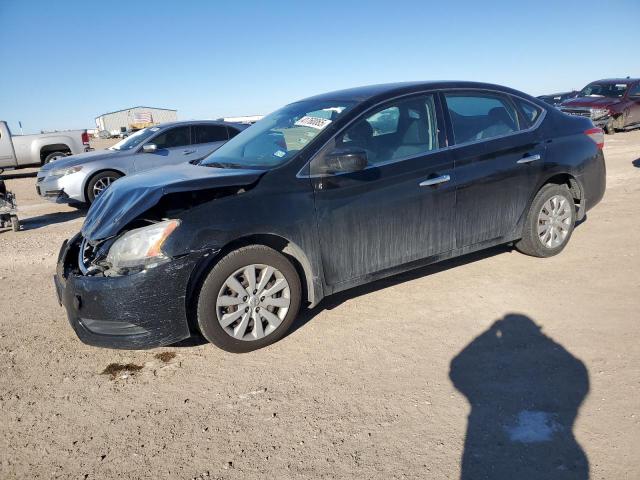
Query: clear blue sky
(64, 62)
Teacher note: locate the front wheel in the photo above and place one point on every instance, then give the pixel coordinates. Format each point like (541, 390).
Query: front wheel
(99, 183)
(15, 223)
(609, 128)
(549, 223)
(249, 299)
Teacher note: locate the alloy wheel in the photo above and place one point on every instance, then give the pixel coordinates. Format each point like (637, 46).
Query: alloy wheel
(554, 221)
(102, 184)
(252, 302)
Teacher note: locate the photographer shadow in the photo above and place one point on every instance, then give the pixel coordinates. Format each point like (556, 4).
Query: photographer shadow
(525, 391)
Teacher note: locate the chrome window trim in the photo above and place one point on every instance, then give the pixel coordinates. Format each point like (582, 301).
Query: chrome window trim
(535, 126)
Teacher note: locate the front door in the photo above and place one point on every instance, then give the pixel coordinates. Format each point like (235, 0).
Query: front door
(634, 107)
(498, 156)
(400, 208)
(173, 147)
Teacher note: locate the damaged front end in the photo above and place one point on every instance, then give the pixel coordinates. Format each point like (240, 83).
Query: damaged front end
(124, 279)
(133, 309)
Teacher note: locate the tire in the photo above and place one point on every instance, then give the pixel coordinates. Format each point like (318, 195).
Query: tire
(208, 311)
(106, 176)
(53, 156)
(15, 223)
(609, 128)
(531, 242)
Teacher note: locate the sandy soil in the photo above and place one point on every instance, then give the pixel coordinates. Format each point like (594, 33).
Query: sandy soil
(407, 378)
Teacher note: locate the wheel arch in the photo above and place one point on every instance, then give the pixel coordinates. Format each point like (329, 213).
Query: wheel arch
(89, 177)
(53, 147)
(292, 251)
(574, 185)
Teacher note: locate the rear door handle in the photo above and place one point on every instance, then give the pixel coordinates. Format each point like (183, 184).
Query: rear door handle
(530, 158)
(188, 152)
(435, 181)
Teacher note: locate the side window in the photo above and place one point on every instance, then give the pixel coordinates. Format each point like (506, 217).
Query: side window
(232, 132)
(209, 133)
(404, 129)
(174, 137)
(385, 122)
(480, 116)
(635, 91)
(530, 111)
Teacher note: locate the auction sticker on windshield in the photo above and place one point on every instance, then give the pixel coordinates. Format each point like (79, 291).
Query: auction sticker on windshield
(313, 122)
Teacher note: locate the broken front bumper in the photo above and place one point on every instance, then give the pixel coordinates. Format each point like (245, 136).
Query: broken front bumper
(142, 310)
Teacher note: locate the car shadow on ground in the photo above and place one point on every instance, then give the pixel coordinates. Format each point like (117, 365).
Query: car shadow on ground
(40, 221)
(524, 390)
(636, 163)
(333, 301)
(14, 176)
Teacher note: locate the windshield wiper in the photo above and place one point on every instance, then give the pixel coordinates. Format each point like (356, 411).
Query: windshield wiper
(222, 165)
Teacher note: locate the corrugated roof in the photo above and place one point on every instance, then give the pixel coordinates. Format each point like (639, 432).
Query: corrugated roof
(131, 108)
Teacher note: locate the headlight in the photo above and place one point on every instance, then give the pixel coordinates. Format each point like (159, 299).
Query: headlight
(599, 112)
(141, 247)
(61, 172)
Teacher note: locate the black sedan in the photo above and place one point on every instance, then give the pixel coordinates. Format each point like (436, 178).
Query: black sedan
(320, 196)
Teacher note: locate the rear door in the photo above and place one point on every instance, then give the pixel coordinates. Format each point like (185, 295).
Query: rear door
(398, 209)
(207, 138)
(499, 158)
(173, 147)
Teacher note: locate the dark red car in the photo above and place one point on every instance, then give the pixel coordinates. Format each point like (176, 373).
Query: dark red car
(613, 104)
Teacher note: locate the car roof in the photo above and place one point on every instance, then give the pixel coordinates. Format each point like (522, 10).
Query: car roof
(360, 94)
(616, 80)
(197, 122)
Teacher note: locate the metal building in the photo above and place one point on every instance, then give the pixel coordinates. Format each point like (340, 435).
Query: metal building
(134, 118)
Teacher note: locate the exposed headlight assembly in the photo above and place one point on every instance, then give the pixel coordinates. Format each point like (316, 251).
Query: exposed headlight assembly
(141, 248)
(599, 112)
(61, 172)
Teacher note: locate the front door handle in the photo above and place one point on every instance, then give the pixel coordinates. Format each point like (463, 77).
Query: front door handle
(435, 181)
(529, 158)
(188, 152)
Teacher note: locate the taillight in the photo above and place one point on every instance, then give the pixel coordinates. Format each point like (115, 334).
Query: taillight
(597, 135)
(85, 138)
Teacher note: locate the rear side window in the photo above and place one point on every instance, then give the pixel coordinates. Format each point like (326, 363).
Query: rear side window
(232, 132)
(480, 116)
(209, 133)
(174, 137)
(530, 112)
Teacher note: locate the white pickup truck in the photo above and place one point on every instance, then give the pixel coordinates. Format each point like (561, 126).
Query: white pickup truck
(18, 151)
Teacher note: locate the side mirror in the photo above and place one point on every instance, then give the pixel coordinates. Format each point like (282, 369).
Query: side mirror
(149, 148)
(344, 161)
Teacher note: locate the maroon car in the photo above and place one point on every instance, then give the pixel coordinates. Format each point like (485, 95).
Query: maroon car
(613, 104)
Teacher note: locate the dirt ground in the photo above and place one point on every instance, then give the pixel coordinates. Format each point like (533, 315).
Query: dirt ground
(407, 378)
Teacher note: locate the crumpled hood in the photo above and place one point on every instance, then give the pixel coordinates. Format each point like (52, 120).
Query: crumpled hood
(593, 102)
(81, 158)
(131, 196)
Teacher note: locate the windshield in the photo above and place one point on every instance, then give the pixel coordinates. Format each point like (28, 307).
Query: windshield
(135, 139)
(612, 90)
(277, 137)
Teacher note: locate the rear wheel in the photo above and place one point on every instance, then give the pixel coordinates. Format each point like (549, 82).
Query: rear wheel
(100, 182)
(53, 156)
(249, 299)
(549, 223)
(15, 223)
